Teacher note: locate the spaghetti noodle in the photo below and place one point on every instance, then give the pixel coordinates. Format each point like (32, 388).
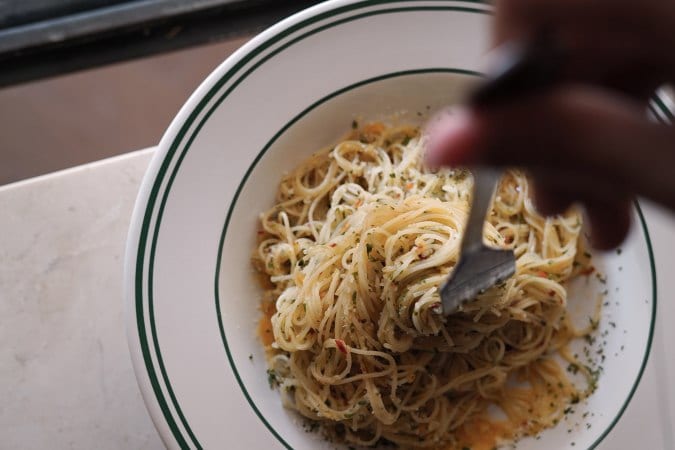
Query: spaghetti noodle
(354, 250)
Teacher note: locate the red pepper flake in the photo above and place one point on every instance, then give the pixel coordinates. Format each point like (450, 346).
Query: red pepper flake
(542, 274)
(332, 245)
(551, 293)
(588, 271)
(409, 186)
(340, 344)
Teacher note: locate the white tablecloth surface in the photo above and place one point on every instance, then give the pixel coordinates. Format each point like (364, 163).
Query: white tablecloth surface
(66, 380)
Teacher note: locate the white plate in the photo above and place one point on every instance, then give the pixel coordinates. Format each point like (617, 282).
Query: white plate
(191, 296)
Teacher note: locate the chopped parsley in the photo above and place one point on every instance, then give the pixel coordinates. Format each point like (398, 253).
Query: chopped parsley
(272, 378)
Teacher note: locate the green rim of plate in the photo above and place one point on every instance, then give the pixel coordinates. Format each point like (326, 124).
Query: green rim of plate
(147, 236)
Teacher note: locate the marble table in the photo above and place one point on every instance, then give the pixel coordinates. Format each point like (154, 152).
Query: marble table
(66, 380)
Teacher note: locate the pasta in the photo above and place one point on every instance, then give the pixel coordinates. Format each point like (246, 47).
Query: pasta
(353, 252)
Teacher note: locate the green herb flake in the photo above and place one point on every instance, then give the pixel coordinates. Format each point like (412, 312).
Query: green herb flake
(272, 378)
(594, 323)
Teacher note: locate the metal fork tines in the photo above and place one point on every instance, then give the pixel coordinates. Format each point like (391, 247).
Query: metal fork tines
(479, 267)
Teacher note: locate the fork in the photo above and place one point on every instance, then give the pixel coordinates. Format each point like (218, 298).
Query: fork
(479, 267)
(520, 68)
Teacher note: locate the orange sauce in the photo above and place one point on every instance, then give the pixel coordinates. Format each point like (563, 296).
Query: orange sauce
(265, 324)
(482, 433)
(529, 409)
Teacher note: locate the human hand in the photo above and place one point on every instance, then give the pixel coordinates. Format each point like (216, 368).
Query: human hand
(588, 138)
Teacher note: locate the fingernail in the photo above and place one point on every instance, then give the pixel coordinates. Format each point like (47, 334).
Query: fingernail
(451, 138)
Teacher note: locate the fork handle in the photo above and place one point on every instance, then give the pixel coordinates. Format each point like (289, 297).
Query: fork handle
(485, 181)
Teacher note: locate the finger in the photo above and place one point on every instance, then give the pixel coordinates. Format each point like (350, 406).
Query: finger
(555, 189)
(579, 132)
(605, 42)
(609, 223)
(608, 216)
(621, 59)
(548, 198)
